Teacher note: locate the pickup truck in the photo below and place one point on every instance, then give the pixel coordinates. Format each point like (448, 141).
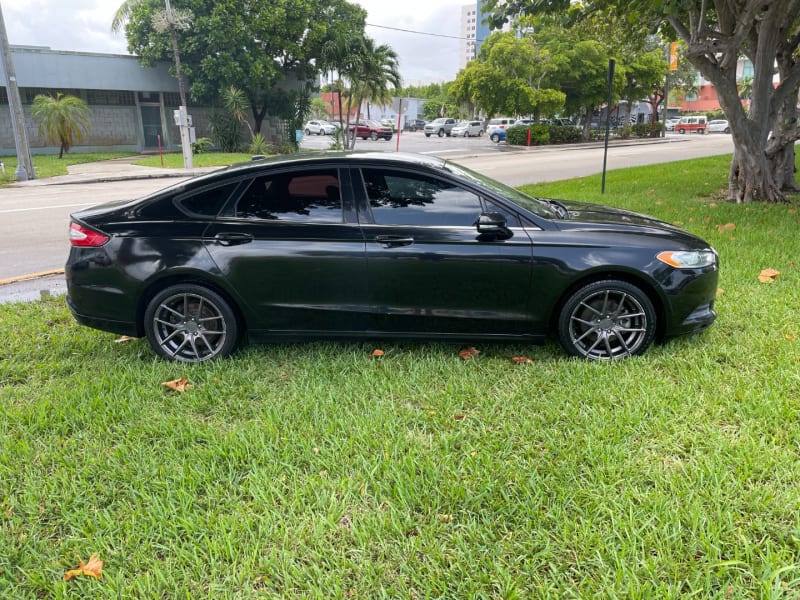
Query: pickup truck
(440, 127)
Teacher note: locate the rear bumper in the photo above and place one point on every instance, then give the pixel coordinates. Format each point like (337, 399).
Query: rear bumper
(119, 327)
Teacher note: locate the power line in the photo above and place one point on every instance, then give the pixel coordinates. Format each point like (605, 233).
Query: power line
(440, 35)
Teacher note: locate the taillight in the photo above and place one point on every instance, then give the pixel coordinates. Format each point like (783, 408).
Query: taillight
(80, 235)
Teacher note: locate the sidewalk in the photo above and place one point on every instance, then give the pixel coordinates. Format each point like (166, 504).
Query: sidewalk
(116, 169)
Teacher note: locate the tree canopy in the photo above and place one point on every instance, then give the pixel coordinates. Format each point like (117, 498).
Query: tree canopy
(266, 48)
(717, 34)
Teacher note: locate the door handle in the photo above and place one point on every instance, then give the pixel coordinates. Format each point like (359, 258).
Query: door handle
(232, 238)
(390, 241)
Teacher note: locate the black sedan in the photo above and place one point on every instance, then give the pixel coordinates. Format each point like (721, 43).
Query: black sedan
(378, 245)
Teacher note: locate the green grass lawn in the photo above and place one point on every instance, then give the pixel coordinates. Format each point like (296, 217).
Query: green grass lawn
(207, 159)
(316, 471)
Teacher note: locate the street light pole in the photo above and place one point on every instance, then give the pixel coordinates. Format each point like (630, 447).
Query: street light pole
(24, 163)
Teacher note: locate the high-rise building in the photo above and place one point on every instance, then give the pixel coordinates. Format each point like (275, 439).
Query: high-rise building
(474, 31)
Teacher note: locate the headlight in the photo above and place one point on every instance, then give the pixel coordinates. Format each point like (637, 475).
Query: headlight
(683, 259)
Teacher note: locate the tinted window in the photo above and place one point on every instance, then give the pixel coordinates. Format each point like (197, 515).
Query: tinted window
(208, 202)
(409, 199)
(309, 196)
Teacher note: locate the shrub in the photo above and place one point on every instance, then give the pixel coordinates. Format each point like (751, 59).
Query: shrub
(561, 134)
(202, 145)
(258, 145)
(518, 135)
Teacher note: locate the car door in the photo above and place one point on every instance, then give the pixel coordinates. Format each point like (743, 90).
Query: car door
(290, 246)
(429, 271)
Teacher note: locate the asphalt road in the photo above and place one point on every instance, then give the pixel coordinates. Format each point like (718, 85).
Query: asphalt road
(34, 221)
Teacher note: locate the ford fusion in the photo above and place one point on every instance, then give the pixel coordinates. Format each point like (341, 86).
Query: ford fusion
(378, 245)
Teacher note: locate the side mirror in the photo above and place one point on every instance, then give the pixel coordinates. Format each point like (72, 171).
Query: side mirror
(492, 224)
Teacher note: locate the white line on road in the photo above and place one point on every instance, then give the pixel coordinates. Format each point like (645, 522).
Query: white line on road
(32, 208)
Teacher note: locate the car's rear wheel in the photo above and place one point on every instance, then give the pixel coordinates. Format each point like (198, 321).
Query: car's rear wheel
(427, 135)
(495, 138)
(373, 136)
(606, 320)
(701, 131)
(190, 323)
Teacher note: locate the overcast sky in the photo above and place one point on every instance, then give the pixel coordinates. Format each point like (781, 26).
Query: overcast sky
(84, 25)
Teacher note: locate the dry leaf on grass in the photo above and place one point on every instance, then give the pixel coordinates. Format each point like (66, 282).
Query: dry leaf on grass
(124, 338)
(93, 568)
(458, 417)
(768, 275)
(522, 360)
(377, 353)
(726, 227)
(178, 385)
(468, 353)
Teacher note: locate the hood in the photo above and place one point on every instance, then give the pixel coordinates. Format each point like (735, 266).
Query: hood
(583, 215)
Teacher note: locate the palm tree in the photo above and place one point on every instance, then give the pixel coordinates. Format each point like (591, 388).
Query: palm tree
(63, 119)
(163, 20)
(372, 71)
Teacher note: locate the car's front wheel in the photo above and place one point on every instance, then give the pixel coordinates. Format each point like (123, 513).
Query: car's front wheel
(607, 319)
(441, 133)
(190, 323)
(427, 135)
(308, 132)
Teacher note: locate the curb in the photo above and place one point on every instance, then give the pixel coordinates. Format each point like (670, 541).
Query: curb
(31, 276)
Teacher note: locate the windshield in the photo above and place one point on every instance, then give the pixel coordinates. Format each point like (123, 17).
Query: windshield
(535, 205)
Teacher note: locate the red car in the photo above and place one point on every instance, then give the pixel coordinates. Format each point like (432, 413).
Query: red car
(372, 130)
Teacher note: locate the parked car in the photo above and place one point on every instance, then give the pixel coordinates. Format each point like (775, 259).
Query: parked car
(697, 124)
(441, 127)
(498, 135)
(414, 125)
(384, 246)
(497, 124)
(467, 129)
(390, 123)
(372, 130)
(319, 127)
(719, 126)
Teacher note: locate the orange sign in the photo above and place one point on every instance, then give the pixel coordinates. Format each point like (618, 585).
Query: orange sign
(673, 56)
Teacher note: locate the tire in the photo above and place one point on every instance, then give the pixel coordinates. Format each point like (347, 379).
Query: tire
(727, 130)
(441, 133)
(681, 131)
(701, 131)
(495, 138)
(319, 131)
(427, 135)
(480, 133)
(373, 136)
(308, 132)
(607, 320)
(190, 323)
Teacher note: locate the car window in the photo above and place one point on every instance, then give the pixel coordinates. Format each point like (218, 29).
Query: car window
(208, 202)
(309, 196)
(397, 198)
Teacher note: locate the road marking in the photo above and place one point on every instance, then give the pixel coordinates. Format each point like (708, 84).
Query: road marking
(32, 208)
(445, 151)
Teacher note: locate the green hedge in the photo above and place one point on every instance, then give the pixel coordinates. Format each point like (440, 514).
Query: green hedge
(542, 134)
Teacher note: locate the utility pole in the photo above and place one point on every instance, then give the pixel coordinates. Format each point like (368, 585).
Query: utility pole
(182, 117)
(24, 163)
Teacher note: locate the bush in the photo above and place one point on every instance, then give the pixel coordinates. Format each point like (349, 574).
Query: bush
(561, 134)
(518, 135)
(258, 145)
(201, 145)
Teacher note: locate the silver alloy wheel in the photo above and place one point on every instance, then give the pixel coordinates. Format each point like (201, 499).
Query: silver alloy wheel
(608, 323)
(189, 327)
